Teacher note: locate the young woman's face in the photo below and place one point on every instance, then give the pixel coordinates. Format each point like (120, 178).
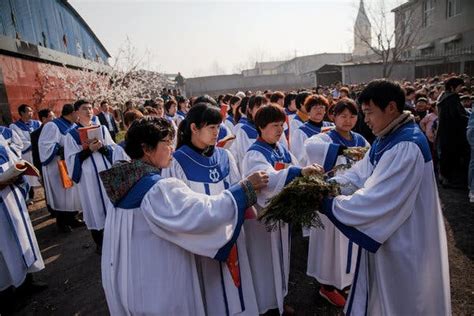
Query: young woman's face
(161, 155)
(272, 132)
(172, 110)
(205, 136)
(292, 106)
(345, 121)
(316, 113)
(160, 110)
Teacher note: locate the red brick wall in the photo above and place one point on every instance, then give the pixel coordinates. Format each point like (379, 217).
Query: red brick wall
(20, 79)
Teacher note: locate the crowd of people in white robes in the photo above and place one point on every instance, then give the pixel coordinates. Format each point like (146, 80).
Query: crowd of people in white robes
(173, 206)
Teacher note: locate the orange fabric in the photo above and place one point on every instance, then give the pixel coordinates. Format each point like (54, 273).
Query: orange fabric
(66, 181)
(233, 265)
(303, 116)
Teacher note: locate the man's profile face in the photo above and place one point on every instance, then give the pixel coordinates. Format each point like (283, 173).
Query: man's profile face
(376, 118)
(27, 115)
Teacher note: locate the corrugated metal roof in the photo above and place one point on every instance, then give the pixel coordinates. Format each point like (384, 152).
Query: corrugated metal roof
(53, 24)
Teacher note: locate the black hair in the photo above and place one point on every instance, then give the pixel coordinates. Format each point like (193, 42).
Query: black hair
(242, 108)
(381, 92)
(151, 103)
(146, 132)
(452, 83)
(254, 101)
(288, 98)
(68, 108)
(201, 114)
(344, 104)
(232, 101)
(205, 99)
(43, 113)
(267, 114)
(22, 108)
(79, 103)
(103, 102)
(300, 98)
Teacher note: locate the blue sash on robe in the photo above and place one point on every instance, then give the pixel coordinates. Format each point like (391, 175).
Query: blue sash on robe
(410, 132)
(310, 130)
(250, 129)
(199, 168)
(133, 198)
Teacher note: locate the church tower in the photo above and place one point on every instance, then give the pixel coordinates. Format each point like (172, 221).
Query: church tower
(362, 33)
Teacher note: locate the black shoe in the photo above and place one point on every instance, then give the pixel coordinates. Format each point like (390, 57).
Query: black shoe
(75, 223)
(62, 228)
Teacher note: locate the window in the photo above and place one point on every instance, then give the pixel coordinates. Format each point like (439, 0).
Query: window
(427, 51)
(451, 47)
(428, 12)
(453, 8)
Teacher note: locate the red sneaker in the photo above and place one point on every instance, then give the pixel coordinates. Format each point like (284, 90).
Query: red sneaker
(333, 297)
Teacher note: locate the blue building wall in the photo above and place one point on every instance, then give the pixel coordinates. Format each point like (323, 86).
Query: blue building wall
(53, 24)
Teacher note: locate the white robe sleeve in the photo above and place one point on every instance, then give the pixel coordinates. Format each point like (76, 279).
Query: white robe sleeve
(119, 154)
(321, 150)
(26, 141)
(73, 163)
(16, 143)
(255, 161)
(240, 146)
(202, 224)
(49, 143)
(234, 173)
(374, 212)
(297, 139)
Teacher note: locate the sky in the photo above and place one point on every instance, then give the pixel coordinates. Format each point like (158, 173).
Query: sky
(200, 38)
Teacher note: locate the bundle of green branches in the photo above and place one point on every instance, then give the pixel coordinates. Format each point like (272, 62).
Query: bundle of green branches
(298, 202)
(355, 153)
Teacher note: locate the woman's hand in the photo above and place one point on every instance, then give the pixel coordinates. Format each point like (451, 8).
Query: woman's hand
(259, 180)
(312, 170)
(95, 145)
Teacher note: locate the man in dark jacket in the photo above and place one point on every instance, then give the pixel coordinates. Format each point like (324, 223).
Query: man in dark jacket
(106, 119)
(451, 142)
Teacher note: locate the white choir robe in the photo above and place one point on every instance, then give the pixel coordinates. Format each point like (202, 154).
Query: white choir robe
(24, 130)
(224, 131)
(395, 216)
(245, 136)
(229, 123)
(52, 138)
(180, 116)
(86, 177)
(299, 136)
(295, 124)
(119, 153)
(269, 252)
(289, 117)
(19, 251)
(331, 255)
(150, 238)
(211, 176)
(10, 138)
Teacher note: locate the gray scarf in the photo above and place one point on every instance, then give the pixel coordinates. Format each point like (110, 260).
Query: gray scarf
(404, 118)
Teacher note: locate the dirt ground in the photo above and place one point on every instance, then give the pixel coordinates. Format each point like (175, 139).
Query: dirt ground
(73, 268)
